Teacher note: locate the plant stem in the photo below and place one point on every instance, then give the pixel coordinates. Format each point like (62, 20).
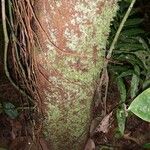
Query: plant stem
(104, 80)
(119, 30)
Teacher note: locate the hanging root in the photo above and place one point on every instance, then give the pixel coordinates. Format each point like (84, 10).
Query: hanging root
(19, 52)
(22, 49)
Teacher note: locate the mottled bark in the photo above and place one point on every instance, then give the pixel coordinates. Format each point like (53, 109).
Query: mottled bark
(72, 36)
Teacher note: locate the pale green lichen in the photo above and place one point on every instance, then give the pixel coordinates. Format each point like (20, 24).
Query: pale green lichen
(69, 97)
(86, 41)
(67, 115)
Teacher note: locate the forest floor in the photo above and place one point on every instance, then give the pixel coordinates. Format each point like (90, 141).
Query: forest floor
(136, 130)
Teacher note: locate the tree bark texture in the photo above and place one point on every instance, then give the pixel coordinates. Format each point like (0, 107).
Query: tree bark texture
(72, 36)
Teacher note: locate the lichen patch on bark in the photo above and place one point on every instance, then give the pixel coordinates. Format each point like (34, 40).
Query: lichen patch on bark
(73, 55)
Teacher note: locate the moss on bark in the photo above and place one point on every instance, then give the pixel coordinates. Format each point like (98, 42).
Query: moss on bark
(73, 41)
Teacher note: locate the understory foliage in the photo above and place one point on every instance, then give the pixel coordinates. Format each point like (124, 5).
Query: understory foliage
(130, 65)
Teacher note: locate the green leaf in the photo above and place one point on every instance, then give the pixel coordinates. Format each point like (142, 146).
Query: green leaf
(10, 110)
(129, 46)
(126, 73)
(135, 81)
(122, 89)
(118, 69)
(146, 84)
(141, 105)
(133, 21)
(147, 146)
(134, 85)
(134, 11)
(144, 43)
(121, 119)
(128, 1)
(144, 56)
(124, 40)
(121, 116)
(137, 70)
(131, 58)
(132, 32)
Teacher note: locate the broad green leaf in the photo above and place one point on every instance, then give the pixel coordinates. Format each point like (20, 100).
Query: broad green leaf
(122, 89)
(126, 73)
(128, 1)
(121, 116)
(146, 84)
(137, 70)
(131, 58)
(134, 85)
(10, 110)
(132, 32)
(141, 105)
(118, 69)
(134, 60)
(123, 40)
(144, 43)
(121, 119)
(129, 46)
(144, 56)
(147, 146)
(133, 21)
(135, 81)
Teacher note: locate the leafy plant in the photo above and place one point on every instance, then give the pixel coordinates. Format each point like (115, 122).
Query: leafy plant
(146, 146)
(131, 67)
(141, 105)
(121, 112)
(9, 109)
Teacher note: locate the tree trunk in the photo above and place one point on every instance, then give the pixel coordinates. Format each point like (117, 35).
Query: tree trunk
(72, 36)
